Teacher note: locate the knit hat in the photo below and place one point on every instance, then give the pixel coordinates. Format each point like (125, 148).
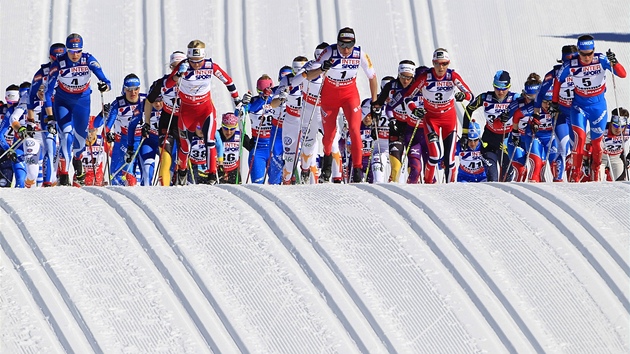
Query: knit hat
(229, 120)
(502, 80)
(176, 57)
(57, 50)
(74, 42)
(586, 43)
(346, 34)
(474, 130)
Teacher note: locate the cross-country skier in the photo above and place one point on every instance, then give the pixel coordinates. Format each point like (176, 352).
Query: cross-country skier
(67, 102)
(588, 72)
(471, 164)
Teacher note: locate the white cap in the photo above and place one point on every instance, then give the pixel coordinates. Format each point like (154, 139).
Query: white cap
(441, 54)
(406, 68)
(297, 65)
(177, 57)
(12, 96)
(196, 52)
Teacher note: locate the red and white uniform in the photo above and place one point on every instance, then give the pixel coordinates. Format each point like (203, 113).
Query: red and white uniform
(197, 106)
(339, 91)
(438, 97)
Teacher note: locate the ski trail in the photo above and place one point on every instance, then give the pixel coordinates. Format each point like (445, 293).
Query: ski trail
(532, 265)
(315, 268)
(142, 226)
(103, 274)
(571, 233)
(27, 294)
(496, 289)
(465, 277)
(328, 258)
(606, 210)
(243, 267)
(57, 288)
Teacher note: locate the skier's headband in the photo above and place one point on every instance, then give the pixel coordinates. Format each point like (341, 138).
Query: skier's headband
(196, 53)
(441, 55)
(406, 69)
(586, 45)
(619, 121)
(531, 89)
(12, 96)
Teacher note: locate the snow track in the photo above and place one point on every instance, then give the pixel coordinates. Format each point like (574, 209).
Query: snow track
(327, 268)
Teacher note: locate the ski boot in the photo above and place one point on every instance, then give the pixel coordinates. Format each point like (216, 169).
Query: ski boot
(326, 169)
(64, 179)
(357, 175)
(79, 174)
(182, 178)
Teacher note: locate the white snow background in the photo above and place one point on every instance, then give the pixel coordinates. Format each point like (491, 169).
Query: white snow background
(315, 269)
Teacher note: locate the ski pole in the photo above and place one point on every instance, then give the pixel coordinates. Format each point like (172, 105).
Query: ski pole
(374, 143)
(553, 135)
(109, 172)
(308, 126)
(15, 145)
(128, 163)
(241, 113)
(406, 151)
(623, 128)
(253, 155)
(168, 131)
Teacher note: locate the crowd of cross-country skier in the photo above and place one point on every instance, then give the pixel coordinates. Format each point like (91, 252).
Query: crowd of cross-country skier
(310, 126)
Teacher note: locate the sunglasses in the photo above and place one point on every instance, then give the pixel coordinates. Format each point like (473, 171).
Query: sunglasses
(228, 128)
(501, 88)
(445, 63)
(582, 54)
(78, 51)
(195, 61)
(345, 45)
(131, 89)
(473, 140)
(405, 77)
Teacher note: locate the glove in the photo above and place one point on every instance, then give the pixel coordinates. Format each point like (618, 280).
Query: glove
(21, 133)
(146, 129)
(534, 123)
(463, 142)
(516, 140)
(237, 101)
(102, 86)
(283, 96)
(393, 128)
(129, 154)
(373, 134)
(11, 155)
(375, 110)
(182, 68)
(247, 98)
(110, 137)
(611, 57)
(419, 113)
(327, 65)
(460, 96)
(554, 108)
(106, 108)
(51, 125)
(504, 117)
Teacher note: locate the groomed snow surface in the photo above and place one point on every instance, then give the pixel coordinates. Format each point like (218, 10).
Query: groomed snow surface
(455, 268)
(358, 268)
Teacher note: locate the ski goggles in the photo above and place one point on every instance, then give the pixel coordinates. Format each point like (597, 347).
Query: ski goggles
(345, 45)
(618, 121)
(586, 54)
(441, 63)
